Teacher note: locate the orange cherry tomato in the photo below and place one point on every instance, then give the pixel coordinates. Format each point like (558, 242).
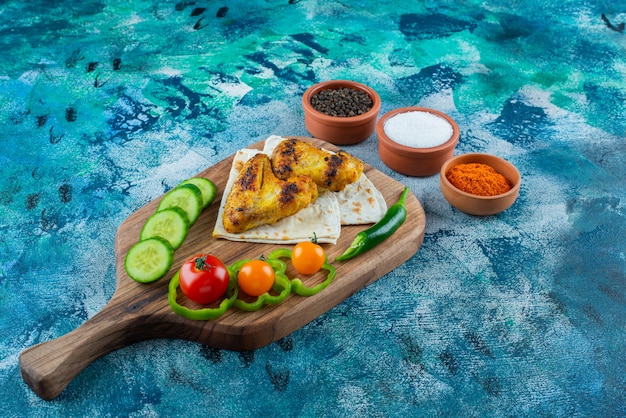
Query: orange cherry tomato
(255, 277)
(308, 257)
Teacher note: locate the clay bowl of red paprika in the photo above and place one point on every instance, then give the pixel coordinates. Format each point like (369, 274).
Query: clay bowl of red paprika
(341, 112)
(416, 141)
(479, 184)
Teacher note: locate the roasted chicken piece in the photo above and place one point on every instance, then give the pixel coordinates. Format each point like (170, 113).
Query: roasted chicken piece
(258, 197)
(332, 171)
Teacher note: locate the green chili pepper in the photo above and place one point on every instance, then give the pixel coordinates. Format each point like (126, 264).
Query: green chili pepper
(297, 286)
(377, 233)
(282, 286)
(203, 314)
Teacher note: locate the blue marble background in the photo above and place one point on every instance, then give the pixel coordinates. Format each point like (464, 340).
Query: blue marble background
(107, 104)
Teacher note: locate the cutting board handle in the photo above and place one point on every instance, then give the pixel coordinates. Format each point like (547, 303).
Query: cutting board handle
(48, 367)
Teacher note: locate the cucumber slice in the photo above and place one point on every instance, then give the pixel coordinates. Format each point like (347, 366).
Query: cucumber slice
(207, 188)
(170, 224)
(149, 260)
(188, 197)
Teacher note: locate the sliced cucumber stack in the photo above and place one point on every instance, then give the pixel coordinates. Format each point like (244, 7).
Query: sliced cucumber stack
(165, 231)
(171, 224)
(187, 197)
(207, 188)
(149, 260)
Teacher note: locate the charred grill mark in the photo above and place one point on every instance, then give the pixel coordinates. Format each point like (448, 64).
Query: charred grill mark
(283, 171)
(290, 148)
(286, 157)
(290, 151)
(333, 163)
(249, 179)
(288, 192)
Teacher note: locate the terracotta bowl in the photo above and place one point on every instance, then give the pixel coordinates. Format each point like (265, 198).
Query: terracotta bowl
(480, 205)
(415, 161)
(340, 130)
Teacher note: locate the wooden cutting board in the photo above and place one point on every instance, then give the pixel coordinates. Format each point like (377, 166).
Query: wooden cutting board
(139, 312)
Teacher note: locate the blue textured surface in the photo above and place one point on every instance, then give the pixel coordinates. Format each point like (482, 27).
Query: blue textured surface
(107, 104)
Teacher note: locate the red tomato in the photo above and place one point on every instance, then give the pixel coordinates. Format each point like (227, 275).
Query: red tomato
(256, 277)
(307, 257)
(204, 278)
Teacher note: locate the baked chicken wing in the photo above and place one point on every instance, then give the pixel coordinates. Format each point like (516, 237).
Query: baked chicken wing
(258, 197)
(332, 171)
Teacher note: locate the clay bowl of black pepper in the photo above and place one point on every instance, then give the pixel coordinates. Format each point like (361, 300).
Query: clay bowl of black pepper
(341, 112)
(479, 184)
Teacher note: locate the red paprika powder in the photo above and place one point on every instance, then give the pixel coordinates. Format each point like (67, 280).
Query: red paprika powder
(478, 179)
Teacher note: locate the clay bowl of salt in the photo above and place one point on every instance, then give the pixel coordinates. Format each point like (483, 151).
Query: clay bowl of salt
(341, 112)
(416, 141)
(479, 184)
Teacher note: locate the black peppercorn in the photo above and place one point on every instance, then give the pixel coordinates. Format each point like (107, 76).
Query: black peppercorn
(342, 102)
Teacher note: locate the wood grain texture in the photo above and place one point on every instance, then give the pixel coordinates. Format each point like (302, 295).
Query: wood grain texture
(139, 312)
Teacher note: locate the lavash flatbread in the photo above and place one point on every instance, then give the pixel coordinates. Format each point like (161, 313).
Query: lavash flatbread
(359, 203)
(320, 219)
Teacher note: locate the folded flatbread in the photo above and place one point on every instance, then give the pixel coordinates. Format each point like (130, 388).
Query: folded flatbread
(358, 203)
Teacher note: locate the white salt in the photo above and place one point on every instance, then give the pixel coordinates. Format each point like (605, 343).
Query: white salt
(417, 129)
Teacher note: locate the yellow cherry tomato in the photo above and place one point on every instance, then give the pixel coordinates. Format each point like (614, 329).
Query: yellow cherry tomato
(255, 277)
(308, 257)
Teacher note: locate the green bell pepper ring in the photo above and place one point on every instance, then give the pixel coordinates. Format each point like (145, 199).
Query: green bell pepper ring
(297, 286)
(282, 286)
(203, 314)
(380, 231)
